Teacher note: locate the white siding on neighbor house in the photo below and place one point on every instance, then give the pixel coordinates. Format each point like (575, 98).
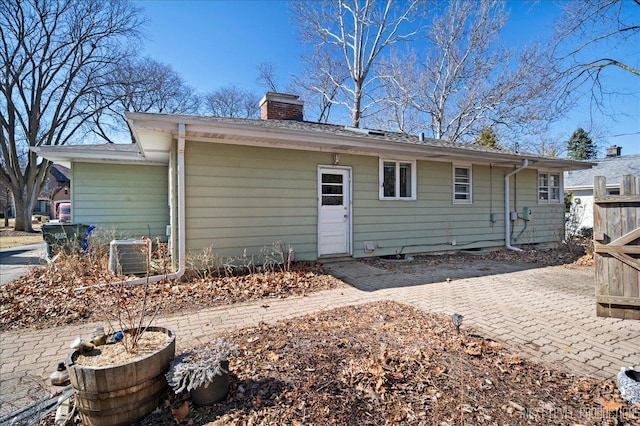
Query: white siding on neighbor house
(123, 201)
(241, 198)
(582, 211)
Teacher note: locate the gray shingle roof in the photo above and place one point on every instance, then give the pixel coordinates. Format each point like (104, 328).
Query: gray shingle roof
(334, 129)
(611, 168)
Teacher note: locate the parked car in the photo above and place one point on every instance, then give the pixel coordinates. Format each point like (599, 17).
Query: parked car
(64, 212)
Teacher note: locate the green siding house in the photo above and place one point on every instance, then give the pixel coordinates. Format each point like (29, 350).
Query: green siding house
(237, 186)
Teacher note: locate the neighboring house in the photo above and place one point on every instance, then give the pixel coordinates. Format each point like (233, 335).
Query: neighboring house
(323, 190)
(579, 184)
(56, 190)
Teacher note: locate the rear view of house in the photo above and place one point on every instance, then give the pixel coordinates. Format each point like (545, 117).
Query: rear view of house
(324, 190)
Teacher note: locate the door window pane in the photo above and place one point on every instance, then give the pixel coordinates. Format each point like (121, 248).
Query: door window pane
(327, 178)
(332, 190)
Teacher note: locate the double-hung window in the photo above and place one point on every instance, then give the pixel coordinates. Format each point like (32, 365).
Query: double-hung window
(462, 185)
(549, 188)
(397, 180)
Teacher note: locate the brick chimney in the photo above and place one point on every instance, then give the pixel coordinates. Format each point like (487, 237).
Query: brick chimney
(614, 151)
(280, 106)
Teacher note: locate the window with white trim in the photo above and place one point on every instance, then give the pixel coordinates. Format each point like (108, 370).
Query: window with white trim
(549, 187)
(462, 186)
(397, 180)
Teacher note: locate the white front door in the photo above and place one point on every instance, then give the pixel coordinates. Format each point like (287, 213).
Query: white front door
(334, 212)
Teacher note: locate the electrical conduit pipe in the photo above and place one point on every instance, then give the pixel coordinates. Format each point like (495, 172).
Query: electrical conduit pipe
(507, 206)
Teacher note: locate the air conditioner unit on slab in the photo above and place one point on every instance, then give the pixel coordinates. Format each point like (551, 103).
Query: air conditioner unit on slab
(129, 257)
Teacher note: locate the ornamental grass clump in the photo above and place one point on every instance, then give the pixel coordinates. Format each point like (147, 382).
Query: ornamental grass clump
(199, 367)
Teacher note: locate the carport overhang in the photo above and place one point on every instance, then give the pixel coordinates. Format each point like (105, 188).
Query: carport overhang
(104, 153)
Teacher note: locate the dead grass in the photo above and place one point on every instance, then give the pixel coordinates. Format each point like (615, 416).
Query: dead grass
(10, 238)
(15, 241)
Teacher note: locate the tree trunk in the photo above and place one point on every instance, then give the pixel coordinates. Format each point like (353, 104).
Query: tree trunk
(23, 214)
(25, 197)
(357, 105)
(7, 207)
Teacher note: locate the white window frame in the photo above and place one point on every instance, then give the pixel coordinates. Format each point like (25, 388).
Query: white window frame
(414, 179)
(470, 184)
(548, 188)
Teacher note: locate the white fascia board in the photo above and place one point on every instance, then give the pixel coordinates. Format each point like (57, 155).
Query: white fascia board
(590, 187)
(69, 155)
(357, 144)
(311, 141)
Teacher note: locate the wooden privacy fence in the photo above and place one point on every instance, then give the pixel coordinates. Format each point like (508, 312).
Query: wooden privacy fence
(616, 235)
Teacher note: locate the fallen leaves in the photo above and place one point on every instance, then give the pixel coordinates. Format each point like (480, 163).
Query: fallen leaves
(388, 363)
(181, 413)
(611, 405)
(48, 296)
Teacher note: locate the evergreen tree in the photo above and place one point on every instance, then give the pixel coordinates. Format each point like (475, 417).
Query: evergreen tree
(580, 146)
(488, 138)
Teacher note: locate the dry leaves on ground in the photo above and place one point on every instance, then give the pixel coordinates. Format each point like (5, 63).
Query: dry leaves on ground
(388, 363)
(539, 257)
(48, 296)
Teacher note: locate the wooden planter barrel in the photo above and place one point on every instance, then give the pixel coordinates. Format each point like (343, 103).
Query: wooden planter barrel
(125, 393)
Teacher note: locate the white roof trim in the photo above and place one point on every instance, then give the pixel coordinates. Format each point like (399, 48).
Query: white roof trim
(199, 129)
(155, 133)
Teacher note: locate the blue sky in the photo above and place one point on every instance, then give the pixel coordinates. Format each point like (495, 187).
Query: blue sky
(216, 43)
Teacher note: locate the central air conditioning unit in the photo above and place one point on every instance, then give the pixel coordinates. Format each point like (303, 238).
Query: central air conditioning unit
(129, 257)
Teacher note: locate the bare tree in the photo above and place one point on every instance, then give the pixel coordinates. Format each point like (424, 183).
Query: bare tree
(400, 76)
(465, 80)
(267, 76)
(357, 32)
(55, 57)
(590, 41)
(320, 82)
(231, 101)
(143, 85)
(546, 144)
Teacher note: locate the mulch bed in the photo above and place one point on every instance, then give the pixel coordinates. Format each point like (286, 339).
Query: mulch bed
(386, 363)
(56, 295)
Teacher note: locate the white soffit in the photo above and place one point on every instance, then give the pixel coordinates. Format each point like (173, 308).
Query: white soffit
(155, 145)
(155, 132)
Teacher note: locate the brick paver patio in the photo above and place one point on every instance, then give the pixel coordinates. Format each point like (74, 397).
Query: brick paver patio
(546, 314)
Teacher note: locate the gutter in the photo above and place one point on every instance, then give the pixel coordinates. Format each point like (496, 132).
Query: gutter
(254, 132)
(507, 206)
(181, 224)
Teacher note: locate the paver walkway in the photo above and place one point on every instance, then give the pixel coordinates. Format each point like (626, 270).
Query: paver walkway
(547, 314)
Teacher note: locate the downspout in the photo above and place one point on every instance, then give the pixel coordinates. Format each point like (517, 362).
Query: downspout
(507, 206)
(181, 225)
(182, 131)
